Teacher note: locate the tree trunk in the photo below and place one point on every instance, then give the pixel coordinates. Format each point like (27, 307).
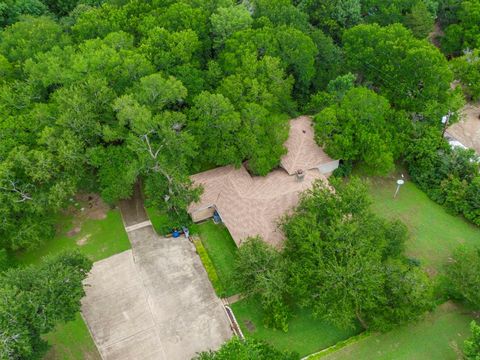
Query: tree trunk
(362, 322)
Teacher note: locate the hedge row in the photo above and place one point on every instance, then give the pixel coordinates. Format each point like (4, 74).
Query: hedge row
(208, 265)
(449, 176)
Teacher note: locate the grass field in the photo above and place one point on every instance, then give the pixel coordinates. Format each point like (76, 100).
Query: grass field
(434, 235)
(97, 239)
(71, 341)
(160, 221)
(221, 249)
(434, 232)
(437, 337)
(305, 334)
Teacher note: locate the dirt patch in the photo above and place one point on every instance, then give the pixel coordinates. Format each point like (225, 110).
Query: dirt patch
(93, 206)
(74, 231)
(467, 130)
(83, 240)
(84, 207)
(250, 326)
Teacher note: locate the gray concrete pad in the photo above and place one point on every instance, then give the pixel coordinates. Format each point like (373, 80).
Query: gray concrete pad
(153, 302)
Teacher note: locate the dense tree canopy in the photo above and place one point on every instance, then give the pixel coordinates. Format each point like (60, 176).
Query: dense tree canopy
(34, 299)
(248, 349)
(357, 129)
(340, 260)
(467, 70)
(463, 275)
(260, 271)
(347, 264)
(448, 175)
(412, 74)
(96, 95)
(463, 31)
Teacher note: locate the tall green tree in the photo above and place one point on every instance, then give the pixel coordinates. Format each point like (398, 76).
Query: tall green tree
(30, 36)
(260, 271)
(248, 349)
(356, 130)
(163, 153)
(411, 73)
(467, 70)
(226, 21)
(341, 264)
(419, 20)
(463, 33)
(463, 275)
(213, 117)
(34, 299)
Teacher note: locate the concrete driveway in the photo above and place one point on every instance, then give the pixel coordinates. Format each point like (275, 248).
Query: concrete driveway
(153, 302)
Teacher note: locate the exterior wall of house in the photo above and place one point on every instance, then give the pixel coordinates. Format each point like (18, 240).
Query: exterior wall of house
(203, 214)
(329, 167)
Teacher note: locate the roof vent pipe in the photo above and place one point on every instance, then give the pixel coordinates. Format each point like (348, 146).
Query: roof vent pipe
(300, 174)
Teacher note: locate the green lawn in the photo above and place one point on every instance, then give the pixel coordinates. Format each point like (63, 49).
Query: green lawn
(71, 341)
(100, 239)
(97, 239)
(434, 235)
(305, 334)
(434, 232)
(437, 337)
(221, 249)
(160, 221)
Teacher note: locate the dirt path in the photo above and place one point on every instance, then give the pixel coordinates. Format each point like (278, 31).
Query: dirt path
(132, 209)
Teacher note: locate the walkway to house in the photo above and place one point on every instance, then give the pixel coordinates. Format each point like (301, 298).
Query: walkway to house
(154, 301)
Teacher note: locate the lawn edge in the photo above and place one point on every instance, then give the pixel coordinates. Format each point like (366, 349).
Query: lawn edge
(209, 267)
(339, 345)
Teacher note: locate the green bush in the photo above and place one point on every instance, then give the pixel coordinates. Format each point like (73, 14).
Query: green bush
(449, 176)
(208, 265)
(5, 262)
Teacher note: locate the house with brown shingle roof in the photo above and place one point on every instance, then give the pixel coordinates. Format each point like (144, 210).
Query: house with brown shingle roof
(252, 205)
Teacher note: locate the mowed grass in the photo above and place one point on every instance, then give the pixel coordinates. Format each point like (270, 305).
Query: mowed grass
(222, 251)
(434, 235)
(305, 334)
(439, 336)
(97, 239)
(160, 221)
(71, 341)
(434, 232)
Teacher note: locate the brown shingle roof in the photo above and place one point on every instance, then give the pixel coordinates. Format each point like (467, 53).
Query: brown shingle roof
(303, 152)
(251, 206)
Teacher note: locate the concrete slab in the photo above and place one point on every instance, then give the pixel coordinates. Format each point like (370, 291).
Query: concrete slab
(153, 302)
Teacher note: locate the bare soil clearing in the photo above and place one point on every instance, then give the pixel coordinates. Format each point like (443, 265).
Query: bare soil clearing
(85, 206)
